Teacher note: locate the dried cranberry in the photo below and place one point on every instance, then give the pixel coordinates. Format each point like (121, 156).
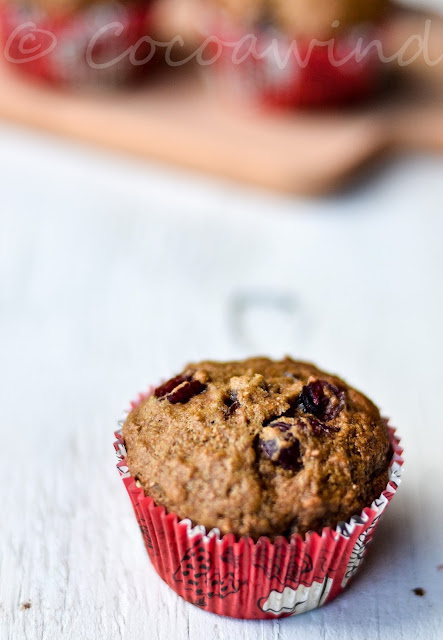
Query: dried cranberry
(232, 403)
(183, 393)
(289, 457)
(170, 385)
(269, 448)
(283, 449)
(322, 399)
(180, 389)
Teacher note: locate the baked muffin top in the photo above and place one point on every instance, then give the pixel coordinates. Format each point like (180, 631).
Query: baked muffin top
(258, 447)
(313, 18)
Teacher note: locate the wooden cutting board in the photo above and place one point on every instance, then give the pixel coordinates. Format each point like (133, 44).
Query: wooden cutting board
(178, 119)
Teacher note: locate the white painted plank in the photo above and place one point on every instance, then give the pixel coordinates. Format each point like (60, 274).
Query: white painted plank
(113, 275)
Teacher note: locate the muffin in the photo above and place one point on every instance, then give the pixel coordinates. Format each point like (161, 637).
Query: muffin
(304, 18)
(300, 53)
(288, 469)
(73, 42)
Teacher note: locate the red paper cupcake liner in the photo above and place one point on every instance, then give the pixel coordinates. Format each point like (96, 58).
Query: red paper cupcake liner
(308, 78)
(54, 47)
(241, 578)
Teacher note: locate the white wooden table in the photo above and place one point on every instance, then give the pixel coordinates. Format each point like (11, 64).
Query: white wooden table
(114, 274)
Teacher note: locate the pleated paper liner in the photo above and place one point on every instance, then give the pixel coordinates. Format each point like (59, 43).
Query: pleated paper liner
(59, 47)
(255, 580)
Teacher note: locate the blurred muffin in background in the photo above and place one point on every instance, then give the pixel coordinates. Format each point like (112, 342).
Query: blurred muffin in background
(312, 18)
(77, 42)
(300, 52)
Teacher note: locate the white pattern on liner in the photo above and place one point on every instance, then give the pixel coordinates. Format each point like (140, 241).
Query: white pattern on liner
(361, 545)
(298, 600)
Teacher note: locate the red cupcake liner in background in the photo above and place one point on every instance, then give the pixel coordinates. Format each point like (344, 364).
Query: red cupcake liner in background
(53, 47)
(241, 578)
(279, 80)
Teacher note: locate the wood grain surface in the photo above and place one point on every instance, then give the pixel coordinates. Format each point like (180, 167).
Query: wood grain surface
(114, 274)
(180, 118)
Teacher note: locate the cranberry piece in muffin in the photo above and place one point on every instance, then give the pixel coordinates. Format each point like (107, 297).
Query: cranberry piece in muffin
(322, 399)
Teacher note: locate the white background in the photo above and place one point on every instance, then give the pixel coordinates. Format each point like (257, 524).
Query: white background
(113, 274)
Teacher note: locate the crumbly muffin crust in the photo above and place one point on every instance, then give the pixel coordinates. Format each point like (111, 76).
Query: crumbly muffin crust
(258, 447)
(313, 18)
